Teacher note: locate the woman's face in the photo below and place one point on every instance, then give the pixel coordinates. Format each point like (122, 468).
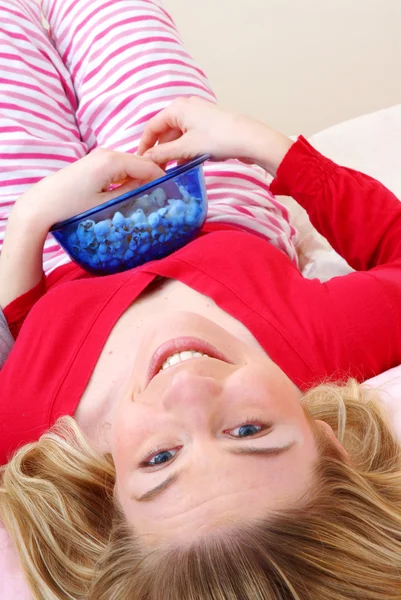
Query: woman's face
(199, 441)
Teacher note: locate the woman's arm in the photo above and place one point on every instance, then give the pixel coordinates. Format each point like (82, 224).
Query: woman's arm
(358, 215)
(190, 127)
(78, 187)
(21, 256)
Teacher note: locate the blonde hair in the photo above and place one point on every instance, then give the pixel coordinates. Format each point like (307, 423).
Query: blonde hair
(56, 501)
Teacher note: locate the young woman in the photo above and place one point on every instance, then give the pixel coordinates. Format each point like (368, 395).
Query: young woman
(191, 460)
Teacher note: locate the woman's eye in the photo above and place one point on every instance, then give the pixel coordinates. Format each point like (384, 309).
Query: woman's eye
(160, 458)
(246, 430)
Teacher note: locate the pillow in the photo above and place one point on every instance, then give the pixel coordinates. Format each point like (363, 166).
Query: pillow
(12, 583)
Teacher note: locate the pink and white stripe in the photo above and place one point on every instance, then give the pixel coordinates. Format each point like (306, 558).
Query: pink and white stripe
(106, 68)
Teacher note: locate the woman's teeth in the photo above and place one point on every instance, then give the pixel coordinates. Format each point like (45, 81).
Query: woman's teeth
(181, 357)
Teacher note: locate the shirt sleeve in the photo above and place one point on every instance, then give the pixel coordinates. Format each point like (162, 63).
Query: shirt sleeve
(355, 325)
(358, 215)
(17, 311)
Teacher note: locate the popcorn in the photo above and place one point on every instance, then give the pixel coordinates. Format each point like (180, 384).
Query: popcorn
(151, 228)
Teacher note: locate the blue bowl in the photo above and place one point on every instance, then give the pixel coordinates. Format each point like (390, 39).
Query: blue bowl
(145, 224)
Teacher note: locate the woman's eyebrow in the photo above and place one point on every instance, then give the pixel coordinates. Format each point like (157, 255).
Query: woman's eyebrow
(266, 451)
(158, 489)
(275, 451)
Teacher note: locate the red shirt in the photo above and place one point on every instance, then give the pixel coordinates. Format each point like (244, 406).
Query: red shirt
(348, 326)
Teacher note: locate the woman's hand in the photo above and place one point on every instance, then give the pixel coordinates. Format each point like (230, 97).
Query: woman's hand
(84, 185)
(79, 187)
(190, 127)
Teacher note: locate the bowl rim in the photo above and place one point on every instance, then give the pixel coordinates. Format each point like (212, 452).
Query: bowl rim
(170, 174)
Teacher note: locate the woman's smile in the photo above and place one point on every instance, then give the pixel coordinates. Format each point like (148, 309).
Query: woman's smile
(181, 349)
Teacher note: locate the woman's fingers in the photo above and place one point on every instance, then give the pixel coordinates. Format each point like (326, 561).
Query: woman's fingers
(190, 127)
(159, 126)
(110, 167)
(165, 138)
(138, 167)
(181, 150)
(86, 184)
(130, 171)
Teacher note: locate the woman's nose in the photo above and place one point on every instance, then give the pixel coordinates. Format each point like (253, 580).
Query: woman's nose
(191, 392)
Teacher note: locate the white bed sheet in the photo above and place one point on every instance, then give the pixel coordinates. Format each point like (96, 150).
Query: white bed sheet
(371, 144)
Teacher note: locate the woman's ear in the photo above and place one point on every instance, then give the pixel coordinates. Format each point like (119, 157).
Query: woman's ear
(327, 431)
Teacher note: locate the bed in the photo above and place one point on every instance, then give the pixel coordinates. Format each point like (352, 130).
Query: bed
(372, 144)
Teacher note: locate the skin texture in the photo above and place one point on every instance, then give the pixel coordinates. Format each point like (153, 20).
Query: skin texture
(190, 415)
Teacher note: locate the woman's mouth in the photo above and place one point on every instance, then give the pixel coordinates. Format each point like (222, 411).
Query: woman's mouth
(178, 350)
(179, 357)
